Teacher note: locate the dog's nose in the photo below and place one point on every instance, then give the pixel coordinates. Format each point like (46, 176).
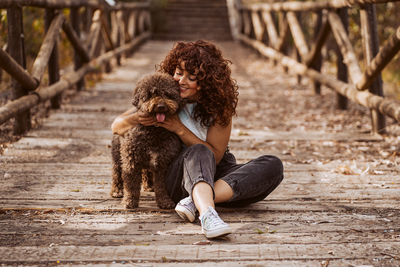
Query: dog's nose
(161, 108)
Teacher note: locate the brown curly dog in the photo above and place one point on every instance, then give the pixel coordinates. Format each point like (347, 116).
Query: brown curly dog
(147, 151)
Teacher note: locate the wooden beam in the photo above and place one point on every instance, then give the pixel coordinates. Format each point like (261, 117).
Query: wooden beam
(17, 72)
(108, 43)
(314, 58)
(246, 23)
(271, 29)
(107, 35)
(384, 56)
(116, 34)
(258, 27)
(283, 34)
(46, 49)
(76, 42)
(95, 33)
(321, 38)
(390, 108)
(346, 48)
(297, 33)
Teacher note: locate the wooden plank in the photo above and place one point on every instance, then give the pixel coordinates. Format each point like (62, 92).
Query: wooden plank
(192, 253)
(114, 205)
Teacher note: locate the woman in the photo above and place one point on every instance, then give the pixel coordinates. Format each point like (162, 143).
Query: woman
(205, 172)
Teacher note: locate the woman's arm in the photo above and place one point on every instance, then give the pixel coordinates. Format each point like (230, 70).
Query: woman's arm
(217, 136)
(130, 119)
(125, 121)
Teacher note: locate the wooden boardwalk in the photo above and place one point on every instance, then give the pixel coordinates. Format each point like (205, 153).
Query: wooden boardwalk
(339, 204)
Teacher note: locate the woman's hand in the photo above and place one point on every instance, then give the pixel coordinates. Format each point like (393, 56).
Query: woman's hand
(146, 120)
(172, 124)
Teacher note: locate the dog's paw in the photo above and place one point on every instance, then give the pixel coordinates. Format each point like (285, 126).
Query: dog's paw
(116, 192)
(166, 204)
(130, 204)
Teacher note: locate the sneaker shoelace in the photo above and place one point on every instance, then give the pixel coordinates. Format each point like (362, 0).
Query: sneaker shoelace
(187, 201)
(212, 220)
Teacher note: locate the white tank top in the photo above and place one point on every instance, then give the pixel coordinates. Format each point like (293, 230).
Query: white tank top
(187, 118)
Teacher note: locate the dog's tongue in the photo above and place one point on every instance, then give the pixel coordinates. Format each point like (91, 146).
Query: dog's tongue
(160, 117)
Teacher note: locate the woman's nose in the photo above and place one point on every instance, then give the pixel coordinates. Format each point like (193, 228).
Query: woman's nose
(182, 80)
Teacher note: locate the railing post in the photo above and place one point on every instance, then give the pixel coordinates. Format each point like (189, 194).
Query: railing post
(342, 72)
(283, 33)
(75, 19)
(108, 42)
(53, 66)
(116, 33)
(317, 64)
(371, 48)
(22, 121)
(298, 56)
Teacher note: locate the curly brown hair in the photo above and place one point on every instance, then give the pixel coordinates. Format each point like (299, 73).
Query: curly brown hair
(218, 96)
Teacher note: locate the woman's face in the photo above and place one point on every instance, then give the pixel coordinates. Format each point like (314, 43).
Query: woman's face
(187, 82)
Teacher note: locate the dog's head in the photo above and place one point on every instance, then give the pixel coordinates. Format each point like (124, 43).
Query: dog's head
(157, 95)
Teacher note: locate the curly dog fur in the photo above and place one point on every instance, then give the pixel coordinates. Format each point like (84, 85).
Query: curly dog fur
(146, 152)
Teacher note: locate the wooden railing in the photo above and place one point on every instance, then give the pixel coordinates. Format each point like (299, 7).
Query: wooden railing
(271, 27)
(97, 32)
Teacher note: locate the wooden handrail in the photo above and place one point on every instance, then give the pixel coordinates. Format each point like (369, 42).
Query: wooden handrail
(89, 52)
(309, 6)
(386, 106)
(72, 3)
(309, 63)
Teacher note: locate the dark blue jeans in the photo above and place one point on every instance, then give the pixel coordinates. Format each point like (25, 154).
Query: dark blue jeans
(251, 182)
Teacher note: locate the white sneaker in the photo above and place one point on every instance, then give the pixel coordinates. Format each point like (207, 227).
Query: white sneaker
(212, 225)
(186, 209)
